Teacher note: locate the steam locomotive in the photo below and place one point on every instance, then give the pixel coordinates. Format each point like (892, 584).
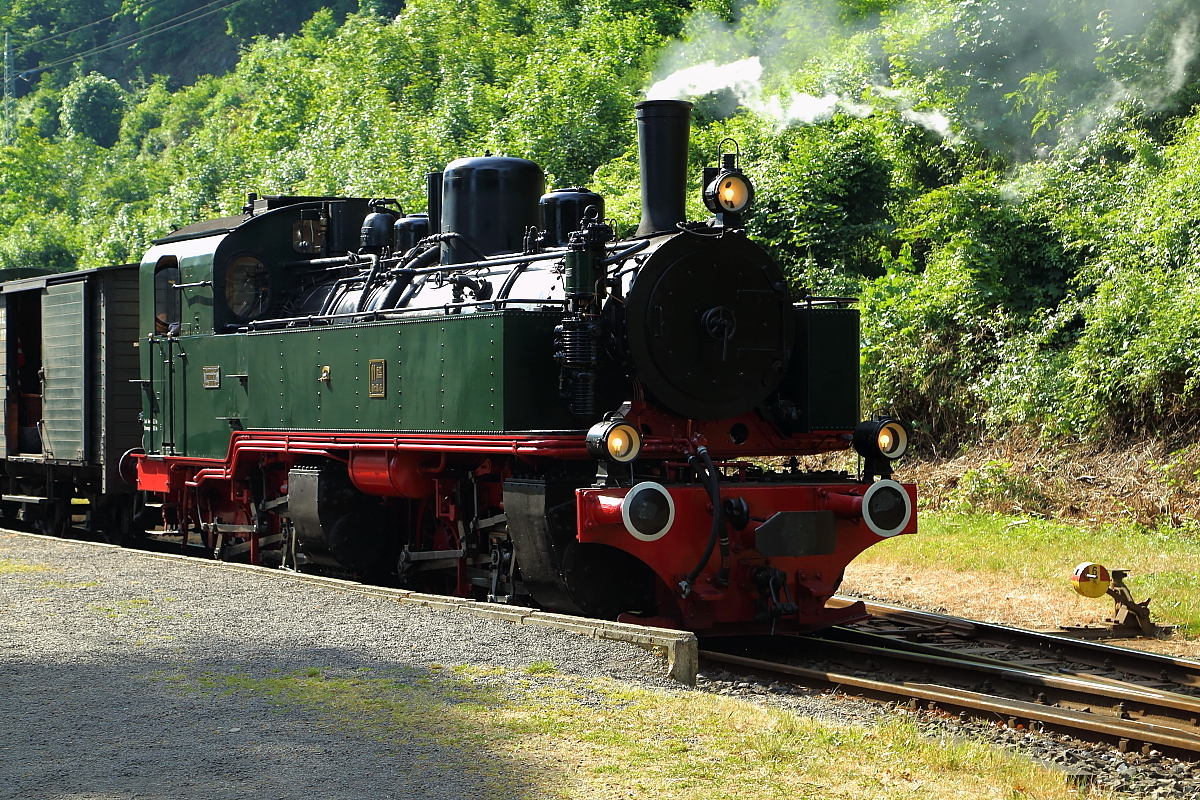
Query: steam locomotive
(497, 399)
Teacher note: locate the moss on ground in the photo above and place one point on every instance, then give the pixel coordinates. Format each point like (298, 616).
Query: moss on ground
(558, 736)
(12, 566)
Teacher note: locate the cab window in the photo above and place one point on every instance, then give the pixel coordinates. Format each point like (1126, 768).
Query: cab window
(166, 296)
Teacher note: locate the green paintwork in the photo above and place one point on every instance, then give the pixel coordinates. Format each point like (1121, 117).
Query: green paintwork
(487, 372)
(63, 364)
(832, 358)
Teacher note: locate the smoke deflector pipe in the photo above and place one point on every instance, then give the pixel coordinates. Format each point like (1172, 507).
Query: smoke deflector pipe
(663, 130)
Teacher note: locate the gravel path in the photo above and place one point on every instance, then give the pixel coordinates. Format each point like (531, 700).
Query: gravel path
(119, 678)
(91, 705)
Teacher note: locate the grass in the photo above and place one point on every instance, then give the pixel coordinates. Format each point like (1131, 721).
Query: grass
(119, 607)
(1035, 553)
(562, 737)
(11, 566)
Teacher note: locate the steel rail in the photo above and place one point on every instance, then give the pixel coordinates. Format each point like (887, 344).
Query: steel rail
(1155, 666)
(870, 637)
(1118, 731)
(1080, 692)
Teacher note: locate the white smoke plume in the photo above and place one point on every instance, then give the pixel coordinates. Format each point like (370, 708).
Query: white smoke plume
(766, 46)
(1183, 50)
(744, 79)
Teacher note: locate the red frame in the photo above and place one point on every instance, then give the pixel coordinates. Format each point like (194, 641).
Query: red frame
(203, 490)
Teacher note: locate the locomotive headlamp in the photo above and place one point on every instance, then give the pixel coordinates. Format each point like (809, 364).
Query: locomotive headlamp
(727, 190)
(730, 193)
(886, 508)
(614, 440)
(648, 511)
(881, 437)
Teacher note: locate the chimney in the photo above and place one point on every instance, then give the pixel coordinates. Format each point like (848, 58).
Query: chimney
(663, 127)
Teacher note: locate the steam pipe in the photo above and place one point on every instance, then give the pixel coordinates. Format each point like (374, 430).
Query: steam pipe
(366, 290)
(405, 276)
(329, 298)
(451, 235)
(663, 128)
(707, 472)
(626, 253)
(509, 280)
(494, 262)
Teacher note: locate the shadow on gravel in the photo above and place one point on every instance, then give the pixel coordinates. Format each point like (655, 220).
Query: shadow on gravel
(245, 727)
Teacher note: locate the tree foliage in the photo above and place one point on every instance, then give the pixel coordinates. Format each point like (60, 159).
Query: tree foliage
(92, 107)
(1008, 187)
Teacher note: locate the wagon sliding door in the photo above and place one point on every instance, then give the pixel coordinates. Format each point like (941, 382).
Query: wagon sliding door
(63, 434)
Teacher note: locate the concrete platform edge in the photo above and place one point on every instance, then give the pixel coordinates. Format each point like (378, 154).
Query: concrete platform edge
(679, 649)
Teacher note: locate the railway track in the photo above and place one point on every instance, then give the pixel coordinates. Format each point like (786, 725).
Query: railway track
(1022, 679)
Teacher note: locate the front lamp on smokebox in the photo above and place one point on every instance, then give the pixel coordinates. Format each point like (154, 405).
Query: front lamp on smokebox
(614, 440)
(727, 191)
(880, 442)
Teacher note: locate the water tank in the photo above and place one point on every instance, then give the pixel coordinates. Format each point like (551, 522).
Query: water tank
(561, 210)
(490, 201)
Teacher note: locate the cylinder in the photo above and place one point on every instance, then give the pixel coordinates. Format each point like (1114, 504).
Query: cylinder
(408, 231)
(663, 128)
(389, 474)
(490, 202)
(561, 210)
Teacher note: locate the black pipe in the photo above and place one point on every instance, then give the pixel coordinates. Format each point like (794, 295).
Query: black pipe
(433, 195)
(329, 298)
(319, 262)
(626, 253)
(452, 235)
(663, 128)
(412, 288)
(404, 277)
(366, 290)
(707, 473)
(495, 262)
(510, 279)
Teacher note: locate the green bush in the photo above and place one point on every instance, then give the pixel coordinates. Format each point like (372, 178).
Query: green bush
(92, 107)
(994, 487)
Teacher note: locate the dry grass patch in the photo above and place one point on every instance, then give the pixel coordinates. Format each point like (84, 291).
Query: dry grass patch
(563, 737)
(1016, 571)
(1149, 483)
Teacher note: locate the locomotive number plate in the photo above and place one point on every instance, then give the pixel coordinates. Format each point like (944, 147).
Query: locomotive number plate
(210, 377)
(376, 378)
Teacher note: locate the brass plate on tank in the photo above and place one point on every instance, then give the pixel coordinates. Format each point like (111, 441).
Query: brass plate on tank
(377, 378)
(210, 377)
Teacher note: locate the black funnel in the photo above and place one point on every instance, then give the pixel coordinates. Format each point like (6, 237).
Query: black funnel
(663, 128)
